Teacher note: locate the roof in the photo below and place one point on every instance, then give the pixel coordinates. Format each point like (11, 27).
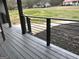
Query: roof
(70, 0)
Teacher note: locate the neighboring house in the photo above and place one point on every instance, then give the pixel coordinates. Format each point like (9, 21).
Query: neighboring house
(42, 4)
(71, 2)
(47, 4)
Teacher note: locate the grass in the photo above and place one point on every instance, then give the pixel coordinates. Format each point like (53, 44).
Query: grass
(70, 12)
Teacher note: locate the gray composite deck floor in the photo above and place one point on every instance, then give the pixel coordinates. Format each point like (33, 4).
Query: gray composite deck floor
(18, 46)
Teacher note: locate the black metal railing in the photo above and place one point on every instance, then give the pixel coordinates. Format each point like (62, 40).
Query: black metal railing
(38, 24)
(35, 25)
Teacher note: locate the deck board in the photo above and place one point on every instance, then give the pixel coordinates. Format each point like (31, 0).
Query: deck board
(35, 45)
(3, 54)
(11, 51)
(19, 46)
(38, 52)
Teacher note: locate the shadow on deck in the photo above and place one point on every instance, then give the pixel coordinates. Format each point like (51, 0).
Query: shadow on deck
(18, 46)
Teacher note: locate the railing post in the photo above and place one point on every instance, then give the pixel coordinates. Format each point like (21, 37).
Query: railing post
(48, 31)
(29, 24)
(2, 32)
(7, 12)
(22, 19)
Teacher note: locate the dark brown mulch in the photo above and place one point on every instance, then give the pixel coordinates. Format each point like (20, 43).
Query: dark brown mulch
(64, 36)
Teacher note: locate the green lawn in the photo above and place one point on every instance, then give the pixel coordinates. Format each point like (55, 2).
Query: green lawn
(58, 12)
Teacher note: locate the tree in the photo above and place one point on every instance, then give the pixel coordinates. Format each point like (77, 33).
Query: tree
(56, 2)
(11, 4)
(29, 3)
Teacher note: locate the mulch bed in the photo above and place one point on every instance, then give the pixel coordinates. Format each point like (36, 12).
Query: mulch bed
(64, 36)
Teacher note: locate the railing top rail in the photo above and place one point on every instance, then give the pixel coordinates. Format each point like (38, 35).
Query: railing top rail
(63, 19)
(37, 17)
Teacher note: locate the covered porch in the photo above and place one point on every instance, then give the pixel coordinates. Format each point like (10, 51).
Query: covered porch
(18, 46)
